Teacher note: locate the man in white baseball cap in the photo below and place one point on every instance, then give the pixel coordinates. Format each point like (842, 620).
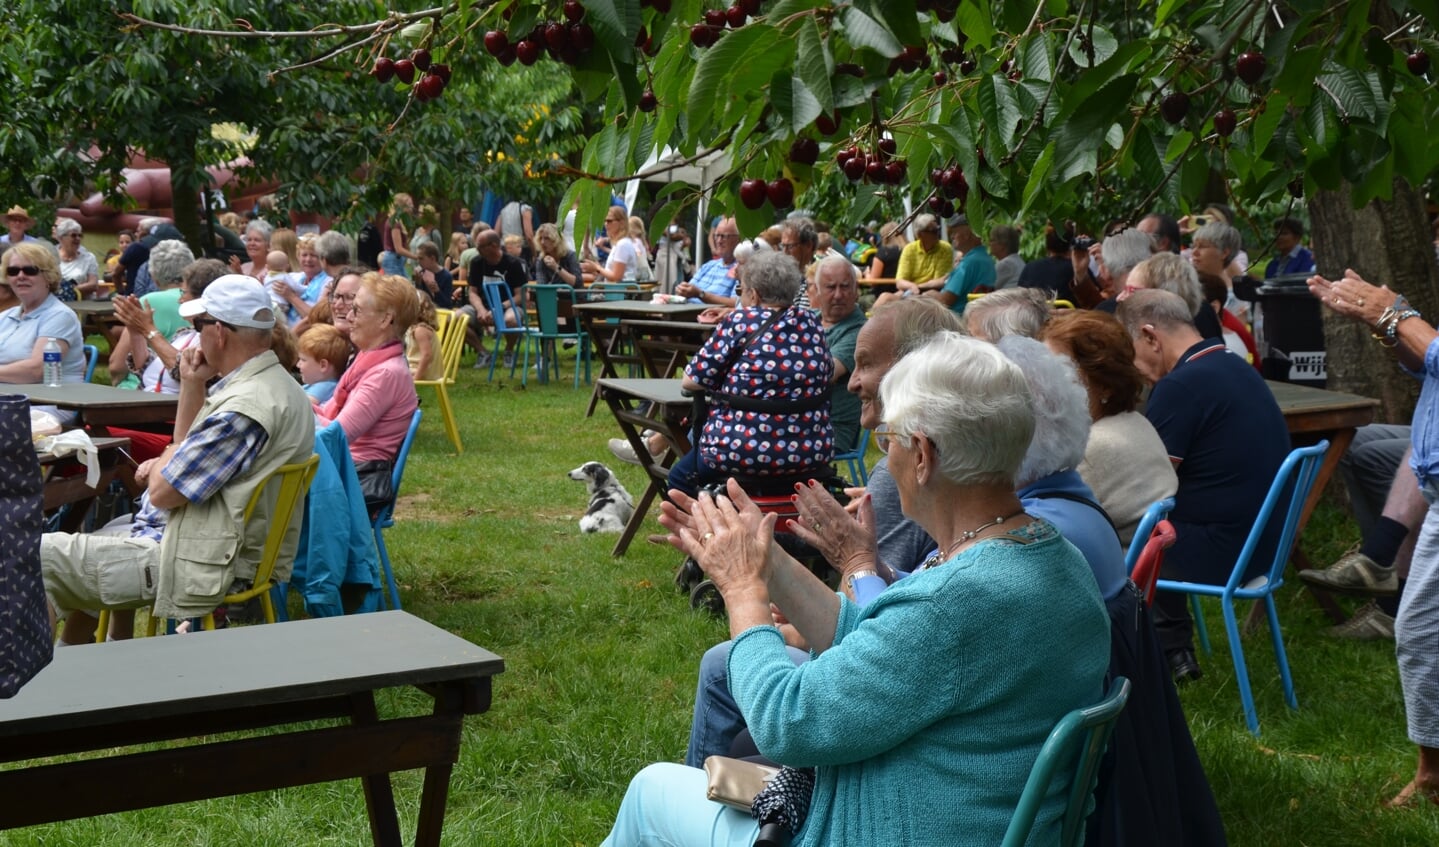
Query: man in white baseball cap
(229, 437)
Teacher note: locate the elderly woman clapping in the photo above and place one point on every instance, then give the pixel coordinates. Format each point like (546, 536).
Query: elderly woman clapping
(923, 711)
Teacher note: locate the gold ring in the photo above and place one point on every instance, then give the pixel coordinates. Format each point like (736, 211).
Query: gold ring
(707, 536)
(817, 526)
(1359, 302)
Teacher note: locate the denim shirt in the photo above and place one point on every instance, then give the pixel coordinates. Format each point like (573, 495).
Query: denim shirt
(1425, 432)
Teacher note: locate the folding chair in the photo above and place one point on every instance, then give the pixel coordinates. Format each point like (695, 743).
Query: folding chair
(92, 357)
(1295, 478)
(854, 460)
(496, 293)
(547, 307)
(452, 344)
(385, 518)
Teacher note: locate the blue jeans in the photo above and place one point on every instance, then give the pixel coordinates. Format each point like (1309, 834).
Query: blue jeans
(689, 473)
(717, 719)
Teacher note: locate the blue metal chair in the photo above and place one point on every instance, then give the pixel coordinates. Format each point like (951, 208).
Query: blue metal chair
(496, 292)
(92, 357)
(1157, 511)
(1294, 480)
(1076, 744)
(547, 307)
(854, 460)
(386, 516)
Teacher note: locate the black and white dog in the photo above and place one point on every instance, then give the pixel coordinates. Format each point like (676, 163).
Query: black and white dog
(610, 504)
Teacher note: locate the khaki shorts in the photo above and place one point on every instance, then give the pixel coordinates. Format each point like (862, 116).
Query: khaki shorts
(99, 571)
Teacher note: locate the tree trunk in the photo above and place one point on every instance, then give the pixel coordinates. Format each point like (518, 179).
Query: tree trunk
(1389, 243)
(187, 179)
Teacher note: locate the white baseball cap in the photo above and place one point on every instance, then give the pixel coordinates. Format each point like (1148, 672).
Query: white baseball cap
(235, 299)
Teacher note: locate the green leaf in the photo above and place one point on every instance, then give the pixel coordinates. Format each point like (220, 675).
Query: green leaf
(814, 66)
(1103, 44)
(1352, 89)
(975, 20)
(1263, 126)
(1037, 178)
(718, 65)
(786, 9)
(793, 101)
(901, 19)
(1035, 59)
(616, 23)
(861, 30)
(1004, 115)
(1178, 145)
(1166, 8)
(1090, 81)
(1319, 123)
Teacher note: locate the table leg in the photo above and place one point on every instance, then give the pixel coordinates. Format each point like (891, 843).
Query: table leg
(379, 795)
(449, 702)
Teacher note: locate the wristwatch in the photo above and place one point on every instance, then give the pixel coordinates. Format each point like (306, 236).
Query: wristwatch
(149, 336)
(850, 580)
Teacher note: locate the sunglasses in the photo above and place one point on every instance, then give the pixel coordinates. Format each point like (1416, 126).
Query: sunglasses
(201, 323)
(28, 270)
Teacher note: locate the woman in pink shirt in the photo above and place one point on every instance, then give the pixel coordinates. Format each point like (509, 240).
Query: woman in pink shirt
(376, 395)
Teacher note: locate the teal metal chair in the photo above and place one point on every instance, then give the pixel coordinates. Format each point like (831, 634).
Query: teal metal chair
(495, 294)
(1076, 745)
(854, 460)
(1294, 480)
(385, 518)
(547, 308)
(1157, 511)
(92, 357)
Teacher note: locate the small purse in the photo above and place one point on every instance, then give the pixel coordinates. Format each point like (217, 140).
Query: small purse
(376, 482)
(735, 782)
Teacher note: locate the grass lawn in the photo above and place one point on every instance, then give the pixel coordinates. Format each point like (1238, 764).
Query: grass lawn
(602, 653)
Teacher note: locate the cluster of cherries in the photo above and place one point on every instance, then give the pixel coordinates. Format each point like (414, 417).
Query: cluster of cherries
(949, 186)
(877, 166)
(779, 192)
(1249, 67)
(432, 83)
(566, 41)
(707, 32)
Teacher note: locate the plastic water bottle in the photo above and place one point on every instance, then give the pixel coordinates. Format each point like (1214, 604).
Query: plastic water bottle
(52, 362)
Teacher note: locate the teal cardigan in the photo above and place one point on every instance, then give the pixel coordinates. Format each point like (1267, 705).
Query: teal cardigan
(925, 716)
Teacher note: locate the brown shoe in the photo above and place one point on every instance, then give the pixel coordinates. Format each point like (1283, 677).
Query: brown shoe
(1368, 623)
(1355, 574)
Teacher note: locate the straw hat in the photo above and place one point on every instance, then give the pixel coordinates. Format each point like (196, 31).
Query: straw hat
(19, 212)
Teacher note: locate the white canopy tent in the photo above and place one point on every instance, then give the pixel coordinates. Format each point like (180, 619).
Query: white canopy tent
(667, 165)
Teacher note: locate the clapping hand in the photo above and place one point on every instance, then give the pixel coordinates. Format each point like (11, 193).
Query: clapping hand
(847, 541)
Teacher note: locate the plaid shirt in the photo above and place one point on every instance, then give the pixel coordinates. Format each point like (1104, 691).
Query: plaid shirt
(221, 448)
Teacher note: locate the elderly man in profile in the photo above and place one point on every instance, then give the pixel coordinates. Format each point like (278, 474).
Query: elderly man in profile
(835, 293)
(1225, 436)
(927, 260)
(189, 542)
(714, 282)
(1118, 255)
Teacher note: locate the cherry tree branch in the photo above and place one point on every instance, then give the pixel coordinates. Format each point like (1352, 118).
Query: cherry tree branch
(393, 20)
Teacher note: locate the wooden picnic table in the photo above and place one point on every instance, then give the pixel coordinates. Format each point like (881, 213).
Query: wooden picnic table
(64, 487)
(665, 347)
(640, 404)
(601, 321)
(103, 405)
(247, 681)
(1312, 414)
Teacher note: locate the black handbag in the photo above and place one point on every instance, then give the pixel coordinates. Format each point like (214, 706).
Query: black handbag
(27, 641)
(376, 483)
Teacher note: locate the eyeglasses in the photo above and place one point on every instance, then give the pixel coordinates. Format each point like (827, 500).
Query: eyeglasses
(28, 270)
(343, 299)
(883, 437)
(200, 323)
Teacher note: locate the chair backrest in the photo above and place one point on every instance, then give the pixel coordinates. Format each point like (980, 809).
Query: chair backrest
(92, 356)
(1294, 480)
(1151, 559)
(293, 481)
(442, 320)
(547, 305)
(398, 472)
(1076, 744)
(452, 344)
(1157, 511)
(496, 293)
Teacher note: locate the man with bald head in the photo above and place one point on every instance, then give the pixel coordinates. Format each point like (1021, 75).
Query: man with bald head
(714, 282)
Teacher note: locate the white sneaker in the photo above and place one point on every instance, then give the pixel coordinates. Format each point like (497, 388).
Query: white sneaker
(626, 453)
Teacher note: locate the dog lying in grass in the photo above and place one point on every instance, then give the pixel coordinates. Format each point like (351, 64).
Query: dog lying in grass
(610, 504)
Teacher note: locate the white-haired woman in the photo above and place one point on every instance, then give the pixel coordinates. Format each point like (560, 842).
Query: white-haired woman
(1213, 250)
(257, 247)
(923, 711)
(79, 269)
(767, 371)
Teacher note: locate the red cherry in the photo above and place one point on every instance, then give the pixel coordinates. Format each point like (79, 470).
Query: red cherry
(507, 56)
(642, 38)
(781, 193)
(850, 68)
(441, 71)
(405, 70)
(1418, 62)
(936, 203)
(421, 58)
(557, 37)
(854, 168)
(804, 151)
(752, 193)
(496, 42)
(827, 124)
(735, 16)
(1174, 107)
(874, 169)
(429, 87)
(528, 52)
(946, 209)
(647, 101)
(582, 37)
(936, 177)
(887, 147)
(703, 35)
(967, 67)
(895, 171)
(1224, 122)
(574, 12)
(940, 78)
(384, 69)
(1250, 66)
(1015, 76)
(715, 17)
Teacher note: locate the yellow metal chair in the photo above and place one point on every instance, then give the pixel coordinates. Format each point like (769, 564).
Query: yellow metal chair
(452, 343)
(293, 481)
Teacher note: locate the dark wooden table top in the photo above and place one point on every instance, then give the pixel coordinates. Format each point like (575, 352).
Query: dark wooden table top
(664, 391)
(613, 308)
(142, 678)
